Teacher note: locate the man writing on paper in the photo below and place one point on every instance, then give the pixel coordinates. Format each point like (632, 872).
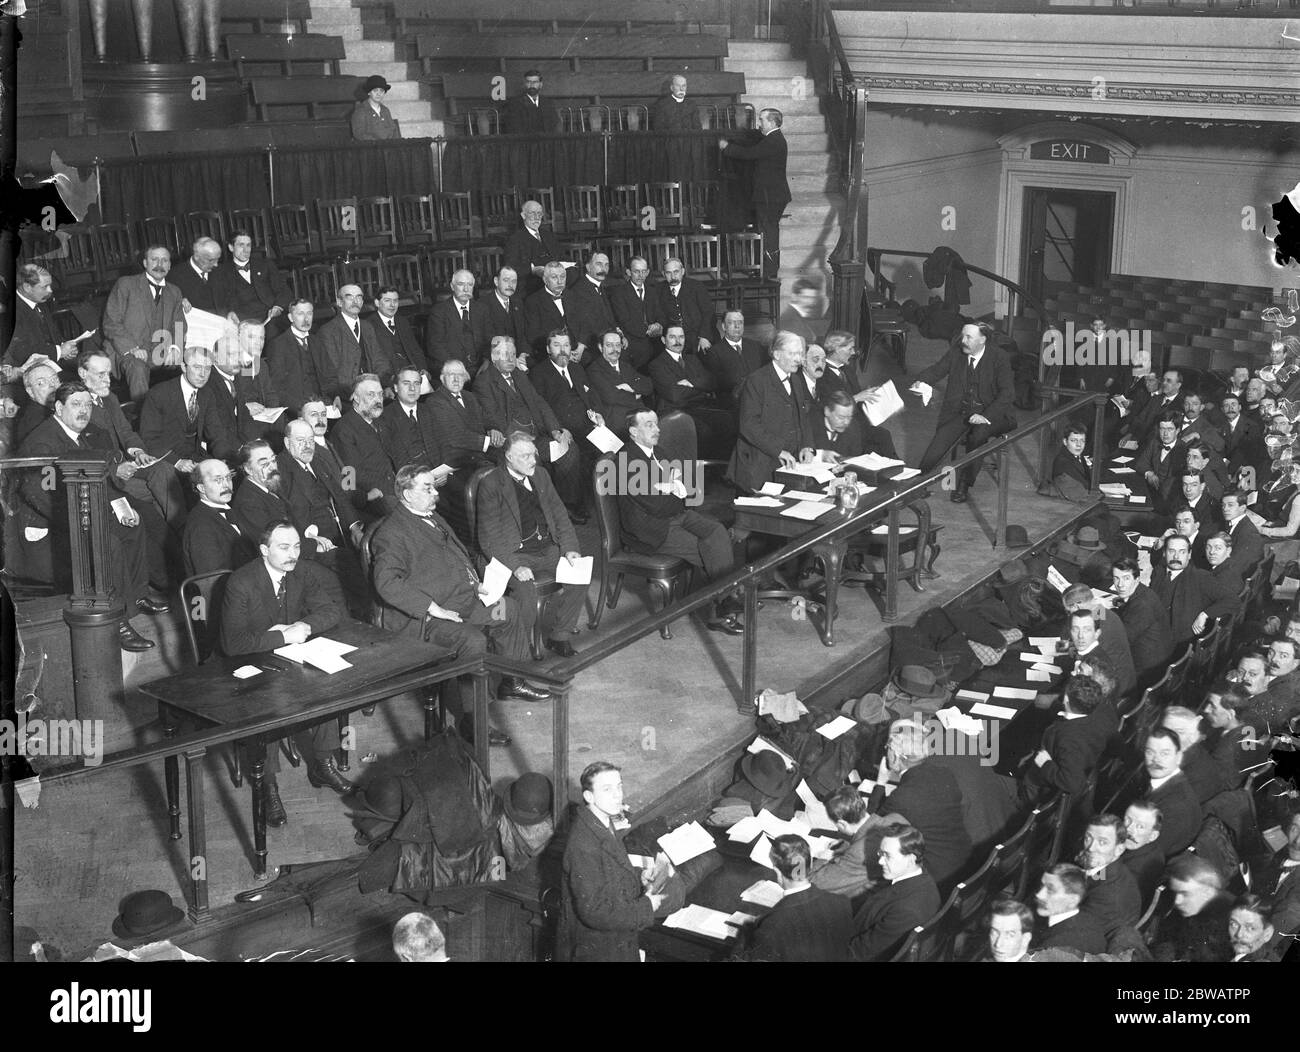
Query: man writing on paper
(842, 375)
(522, 523)
(976, 401)
(808, 923)
(279, 599)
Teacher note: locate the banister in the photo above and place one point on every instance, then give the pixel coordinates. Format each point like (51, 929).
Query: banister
(875, 255)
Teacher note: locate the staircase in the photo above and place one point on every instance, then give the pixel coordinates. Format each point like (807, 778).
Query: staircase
(366, 57)
(810, 232)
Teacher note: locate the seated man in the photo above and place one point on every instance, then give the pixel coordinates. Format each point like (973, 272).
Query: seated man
(1279, 879)
(562, 382)
(456, 325)
(181, 420)
(1214, 473)
(1145, 621)
(1160, 462)
(1194, 489)
(835, 431)
(1178, 586)
(1113, 896)
(1010, 931)
(259, 500)
(289, 358)
(1278, 703)
(1195, 927)
(842, 375)
(213, 539)
(40, 380)
(1163, 783)
(732, 358)
(359, 447)
(910, 897)
(418, 939)
(807, 924)
(616, 388)
(269, 603)
(1247, 544)
(1109, 636)
(397, 345)
(1220, 583)
(241, 382)
(405, 425)
(1208, 779)
(1072, 468)
(1071, 746)
(681, 382)
(1065, 925)
(139, 307)
(522, 523)
(848, 873)
(1143, 855)
(654, 518)
(1232, 744)
(1250, 931)
(771, 433)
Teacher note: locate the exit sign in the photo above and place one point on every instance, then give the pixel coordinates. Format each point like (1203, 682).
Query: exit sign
(1069, 150)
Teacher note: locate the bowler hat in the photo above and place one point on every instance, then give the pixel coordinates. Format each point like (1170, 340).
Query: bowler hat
(918, 681)
(1017, 537)
(1088, 538)
(528, 800)
(145, 913)
(1013, 572)
(870, 708)
(767, 773)
(376, 81)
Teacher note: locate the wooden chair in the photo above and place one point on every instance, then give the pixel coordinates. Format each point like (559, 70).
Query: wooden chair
(338, 221)
(933, 940)
(1043, 847)
(623, 208)
(702, 258)
(744, 271)
(161, 230)
(658, 251)
(545, 196)
(666, 200)
(702, 203)
(363, 271)
(319, 283)
(455, 210)
(666, 574)
(583, 211)
(631, 118)
(206, 224)
(403, 270)
(620, 251)
(418, 220)
(440, 264)
(257, 223)
(292, 227)
(1010, 858)
(116, 252)
(678, 437)
(485, 261)
(482, 120)
(376, 222)
(499, 211)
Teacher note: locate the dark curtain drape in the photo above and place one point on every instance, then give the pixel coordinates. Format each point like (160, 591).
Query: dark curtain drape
(393, 168)
(172, 185)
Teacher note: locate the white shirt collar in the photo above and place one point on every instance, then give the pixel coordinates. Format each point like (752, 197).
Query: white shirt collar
(276, 576)
(187, 389)
(31, 303)
(210, 504)
(646, 450)
(74, 435)
(976, 358)
(1052, 922)
(194, 268)
(1156, 783)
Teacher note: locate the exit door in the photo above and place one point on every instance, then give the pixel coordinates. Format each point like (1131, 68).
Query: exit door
(1067, 237)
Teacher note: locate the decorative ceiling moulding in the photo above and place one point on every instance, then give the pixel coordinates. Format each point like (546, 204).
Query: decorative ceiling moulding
(923, 113)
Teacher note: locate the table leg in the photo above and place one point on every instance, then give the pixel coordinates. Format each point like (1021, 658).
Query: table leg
(749, 673)
(198, 907)
(481, 698)
(257, 774)
(171, 774)
(560, 754)
(891, 567)
(832, 556)
(430, 702)
(341, 753)
(919, 567)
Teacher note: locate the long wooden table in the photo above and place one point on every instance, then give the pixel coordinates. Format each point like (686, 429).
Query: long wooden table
(212, 695)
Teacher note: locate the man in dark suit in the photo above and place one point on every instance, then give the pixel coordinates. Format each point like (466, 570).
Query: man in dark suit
(547, 309)
(976, 400)
(139, 309)
(1071, 745)
(40, 380)
(681, 382)
(428, 587)
(395, 342)
(908, 899)
(1214, 472)
(771, 431)
(406, 426)
(213, 539)
(684, 301)
(269, 603)
(1177, 583)
(1161, 462)
(1207, 776)
(250, 289)
(563, 383)
(1169, 399)
(770, 192)
(1163, 785)
(460, 430)
(510, 402)
(530, 247)
(842, 374)
(33, 327)
(672, 112)
(732, 358)
(289, 359)
(196, 277)
(1279, 880)
(529, 113)
(503, 312)
(522, 523)
(807, 924)
(181, 420)
(258, 500)
(1192, 486)
(344, 347)
(42, 515)
(1066, 926)
(1072, 467)
(654, 518)
(1243, 438)
(836, 428)
(1113, 895)
(805, 314)
(616, 388)
(1145, 620)
(633, 305)
(241, 383)
(1197, 427)
(1143, 855)
(1247, 544)
(456, 325)
(589, 312)
(603, 902)
(1195, 926)
(359, 447)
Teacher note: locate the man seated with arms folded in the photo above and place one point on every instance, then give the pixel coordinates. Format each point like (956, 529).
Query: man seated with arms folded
(616, 388)
(848, 872)
(1278, 703)
(522, 523)
(1232, 743)
(181, 420)
(213, 539)
(1109, 636)
(655, 520)
(45, 552)
(908, 899)
(1208, 778)
(460, 430)
(1279, 879)
(771, 418)
(1113, 895)
(1163, 784)
(1251, 933)
(1143, 855)
(360, 448)
(1065, 925)
(1010, 931)
(1072, 745)
(1072, 467)
(1195, 927)
(808, 923)
(270, 602)
(1145, 621)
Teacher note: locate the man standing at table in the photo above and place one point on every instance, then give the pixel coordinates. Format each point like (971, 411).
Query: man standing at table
(770, 191)
(269, 603)
(976, 401)
(771, 417)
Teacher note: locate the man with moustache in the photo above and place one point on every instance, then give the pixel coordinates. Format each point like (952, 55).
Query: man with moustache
(1178, 586)
(681, 382)
(258, 501)
(672, 112)
(589, 312)
(563, 383)
(250, 289)
(616, 388)
(684, 301)
(212, 539)
(1196, 427)
(241, 383)
(139, 307)
(842, 375)
(530, 248)
(360, 448)
(196, 277)
(503, 312)
(181, 420)
(406, 426)
(1113, 896)
(732, 358)
(33, 332)
(1143, 855)
(836, 430)
(771, 419)
(456, 325)
(528, 113)
(633, 307)
(462, 434)
(1163, 783)
(1243, 438)
(547, 309)
(289, 358)
(344, 347)
(395, 344)
(41, 379)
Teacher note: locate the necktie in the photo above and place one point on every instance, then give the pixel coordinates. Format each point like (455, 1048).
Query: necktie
(510, 383)
(192, 406)
(97, 402)
(464, 320)
(460, 401)
(613, 830)
(565, 374)
(246, 274)
(785, 382)
(282, 601)
(640, 292)
(391, 328)
(302, 342)
(204, 276)
(356, 332)
(156, 290)
(970, 374)
(411, 414)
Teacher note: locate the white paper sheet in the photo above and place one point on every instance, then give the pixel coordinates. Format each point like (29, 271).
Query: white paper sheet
(739, 919)
(745, 830)
(246, 671)
(322, 652)
(760, 744)
(882, 403)
(702, 921)
(762, 853)
(758, 502)
(771, 489)
(883, 529)
(866, 787)
(872, 462)
(686, 842)
(972, 695)
(604, 439)
(1129, 444)
(333, 412)
(425, 386)
(1050, 669)
(1041, 642)
(269, 415)
(203, 329)
(763, 893)
(836, 727)
(1057, 579)
(1122, 460)
(556, 450)
(1122, 471)
(497, 578)
(816, 472)
(997, 712)
(577, 572)
(1035, 676)
(924, 390)
(798, 494)
(907, 473)
(807, 509)
(1020, 693)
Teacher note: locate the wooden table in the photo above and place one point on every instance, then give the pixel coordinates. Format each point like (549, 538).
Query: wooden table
(211, 694)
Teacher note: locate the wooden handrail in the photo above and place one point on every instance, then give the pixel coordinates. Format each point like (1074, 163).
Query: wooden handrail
(875, 255)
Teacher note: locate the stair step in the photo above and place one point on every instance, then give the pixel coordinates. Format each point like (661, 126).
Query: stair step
(809, 107)
(336, 29)
(398, 74)
(758, 50)
(408, 109)
(766, 68)
(371, 50)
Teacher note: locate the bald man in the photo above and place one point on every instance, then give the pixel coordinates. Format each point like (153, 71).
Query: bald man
(344, 347)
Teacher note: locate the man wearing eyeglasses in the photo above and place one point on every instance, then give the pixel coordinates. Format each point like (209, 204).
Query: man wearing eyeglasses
(212, 541)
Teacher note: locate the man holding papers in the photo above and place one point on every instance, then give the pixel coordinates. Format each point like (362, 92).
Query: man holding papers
(807, 924)
(771, 417)
(842, 375)
(522, 523)
(278, 599)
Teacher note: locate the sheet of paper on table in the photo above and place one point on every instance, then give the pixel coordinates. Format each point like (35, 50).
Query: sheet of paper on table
(269, 415)
(1122, 460)
(836, 727)
(997, 712)
(806, 509)
(953, 719)
(1034, 659)
(497, 578)
(745, 830)
(1122, 471)
(1137, 500)
(246, 671)
(604, 439)
(763, 893)
(798, 494)
(760, 743)
(758, 502)
(882, 403)
(972, 695)
(1044, 666)
(771, 489)
(872, 462)
(576, 572)
(816, 472)
(773, 826)
(907, 473)
(1056, 579)
(686, 842)
(1129, 444)
(1044, 644)
(1114, 489)
(322, 652)
(1019, 693)
(702, 921)
(1033, 675)
(739, 919)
